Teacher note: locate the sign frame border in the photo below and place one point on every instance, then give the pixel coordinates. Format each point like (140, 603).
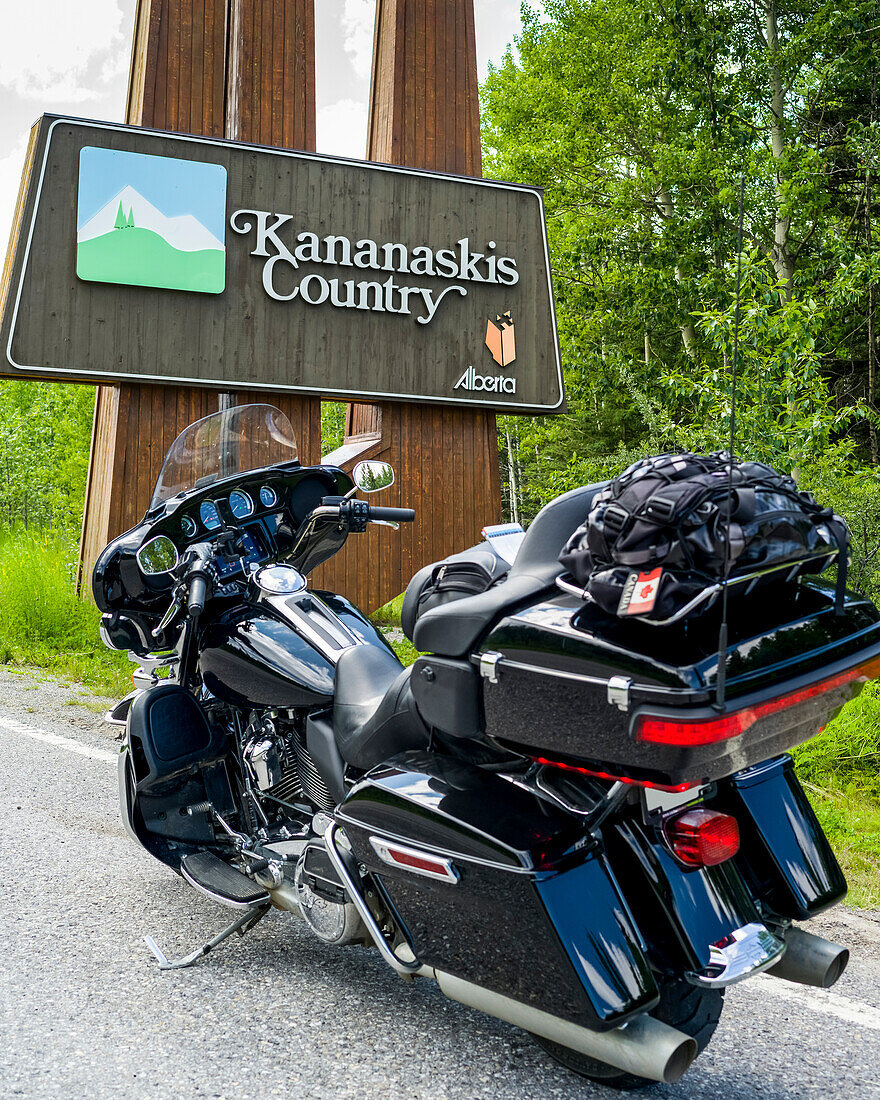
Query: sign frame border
(107, 378)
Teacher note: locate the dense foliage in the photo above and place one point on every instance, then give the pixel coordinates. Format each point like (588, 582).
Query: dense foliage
(639, 118)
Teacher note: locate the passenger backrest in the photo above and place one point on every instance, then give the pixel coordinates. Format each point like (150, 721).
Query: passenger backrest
(550, 530)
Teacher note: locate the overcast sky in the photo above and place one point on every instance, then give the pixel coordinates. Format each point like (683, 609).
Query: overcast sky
(71, 57)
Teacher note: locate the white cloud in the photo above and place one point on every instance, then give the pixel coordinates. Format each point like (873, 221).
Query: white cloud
(10, 177)
(358, 17)
(61, 50)
(342, 128)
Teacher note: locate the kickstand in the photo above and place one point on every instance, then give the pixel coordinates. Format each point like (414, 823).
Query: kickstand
(241, 924)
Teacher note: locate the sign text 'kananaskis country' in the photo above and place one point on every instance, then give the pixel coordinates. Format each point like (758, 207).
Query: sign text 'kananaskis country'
(158, 257)
(284, 254)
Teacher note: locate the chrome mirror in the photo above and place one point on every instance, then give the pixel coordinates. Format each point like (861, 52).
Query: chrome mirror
(159, 555)
(372, 476)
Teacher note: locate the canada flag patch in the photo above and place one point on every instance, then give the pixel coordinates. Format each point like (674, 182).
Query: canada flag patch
(640, 592)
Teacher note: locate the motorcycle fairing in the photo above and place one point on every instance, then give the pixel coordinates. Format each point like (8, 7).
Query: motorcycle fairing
(173, 760)
(530, 899)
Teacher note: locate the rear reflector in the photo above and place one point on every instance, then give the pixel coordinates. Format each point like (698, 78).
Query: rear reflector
(419, 863)
(706, 731)
(703, 838)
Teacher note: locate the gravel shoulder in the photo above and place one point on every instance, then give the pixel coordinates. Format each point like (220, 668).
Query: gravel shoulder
(85, 1013)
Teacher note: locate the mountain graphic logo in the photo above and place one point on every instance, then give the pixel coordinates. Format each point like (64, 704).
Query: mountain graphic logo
(151, 221)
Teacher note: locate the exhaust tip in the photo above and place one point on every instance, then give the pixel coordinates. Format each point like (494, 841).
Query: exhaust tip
(679, 1061)
(810, 960)
(835, 969)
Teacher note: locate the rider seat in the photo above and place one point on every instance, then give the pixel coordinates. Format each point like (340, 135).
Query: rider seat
(374, 713)
(453, 628)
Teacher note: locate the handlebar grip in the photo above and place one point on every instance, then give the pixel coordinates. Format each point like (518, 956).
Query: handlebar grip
(198, 593)
(396, 515)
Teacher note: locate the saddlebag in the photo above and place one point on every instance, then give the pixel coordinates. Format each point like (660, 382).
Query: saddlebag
(499, 893)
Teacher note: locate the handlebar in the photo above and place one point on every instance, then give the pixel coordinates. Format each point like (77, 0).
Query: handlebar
(198, 579)
(393, 515)
(197, 595)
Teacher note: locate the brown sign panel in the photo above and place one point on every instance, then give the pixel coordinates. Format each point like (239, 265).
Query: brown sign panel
(168, 258)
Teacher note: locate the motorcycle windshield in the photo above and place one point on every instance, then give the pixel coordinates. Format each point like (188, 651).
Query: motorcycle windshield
(227, 443)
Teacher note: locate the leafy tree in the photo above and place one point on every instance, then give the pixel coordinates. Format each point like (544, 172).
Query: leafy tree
(638, 117)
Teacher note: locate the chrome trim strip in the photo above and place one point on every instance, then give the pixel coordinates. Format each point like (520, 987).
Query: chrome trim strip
(385, 851)
(507, 663)
(445, 854)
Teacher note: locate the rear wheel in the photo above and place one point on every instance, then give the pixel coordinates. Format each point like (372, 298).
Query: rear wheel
(691, 1009)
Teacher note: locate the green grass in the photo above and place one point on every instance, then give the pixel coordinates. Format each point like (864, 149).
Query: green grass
(389, 613)
(840, 771)
(42, 620)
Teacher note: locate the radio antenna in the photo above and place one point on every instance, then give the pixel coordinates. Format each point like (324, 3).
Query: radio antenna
(721, 675)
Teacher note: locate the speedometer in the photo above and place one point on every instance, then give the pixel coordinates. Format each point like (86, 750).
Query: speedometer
(240, 504)
(208, 515)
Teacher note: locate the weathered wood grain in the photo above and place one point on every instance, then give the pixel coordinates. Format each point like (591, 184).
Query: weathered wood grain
(424, 112)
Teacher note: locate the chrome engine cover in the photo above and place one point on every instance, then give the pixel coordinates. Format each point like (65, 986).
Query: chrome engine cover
(333, 922)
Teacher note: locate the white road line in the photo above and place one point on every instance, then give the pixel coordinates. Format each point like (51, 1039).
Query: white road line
(57, 740)
(819, 1000)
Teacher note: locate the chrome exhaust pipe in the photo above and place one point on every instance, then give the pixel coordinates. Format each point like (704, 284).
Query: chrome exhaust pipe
(643, 1046)
(810, 960)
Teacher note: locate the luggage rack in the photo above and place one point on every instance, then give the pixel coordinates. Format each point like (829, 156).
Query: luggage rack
(709, 594)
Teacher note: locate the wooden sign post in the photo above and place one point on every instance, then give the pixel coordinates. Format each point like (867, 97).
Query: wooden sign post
(243, 69)
(424, 113)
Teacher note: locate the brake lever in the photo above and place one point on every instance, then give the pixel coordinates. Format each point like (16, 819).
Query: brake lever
(170, 615)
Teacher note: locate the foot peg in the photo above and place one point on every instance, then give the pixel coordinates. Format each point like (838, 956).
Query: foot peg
(210, 875)
(241, 925)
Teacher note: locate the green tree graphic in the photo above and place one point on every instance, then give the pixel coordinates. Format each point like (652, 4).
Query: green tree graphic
(120, 222)
(130, 223)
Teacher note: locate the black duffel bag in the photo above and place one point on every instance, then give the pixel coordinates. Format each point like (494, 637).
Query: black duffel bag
(658, 535)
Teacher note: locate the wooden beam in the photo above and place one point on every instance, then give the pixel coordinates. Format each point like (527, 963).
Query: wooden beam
(222, 68)
(424, 113)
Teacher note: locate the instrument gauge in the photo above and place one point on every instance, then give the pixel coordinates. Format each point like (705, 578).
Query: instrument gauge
(240, 504)
(189, 526)
(209, 516)
(268, 496)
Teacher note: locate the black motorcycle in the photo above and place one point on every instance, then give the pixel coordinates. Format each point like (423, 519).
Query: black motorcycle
(546, 813)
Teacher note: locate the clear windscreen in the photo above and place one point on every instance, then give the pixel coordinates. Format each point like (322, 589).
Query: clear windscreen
(230, 442)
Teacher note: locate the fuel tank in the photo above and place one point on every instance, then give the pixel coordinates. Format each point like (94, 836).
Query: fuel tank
(281, 650)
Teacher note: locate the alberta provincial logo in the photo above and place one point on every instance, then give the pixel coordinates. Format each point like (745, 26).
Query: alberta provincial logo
(151, 221)
(500, 339)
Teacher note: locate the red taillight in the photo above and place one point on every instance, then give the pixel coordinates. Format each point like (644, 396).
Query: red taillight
(706, 731)
(678, 787)
(703, 838)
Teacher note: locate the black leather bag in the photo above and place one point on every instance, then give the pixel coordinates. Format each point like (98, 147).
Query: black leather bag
(667, 519)
(466, 574)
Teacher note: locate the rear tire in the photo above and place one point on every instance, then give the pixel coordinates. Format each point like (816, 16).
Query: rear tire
(689, 1008)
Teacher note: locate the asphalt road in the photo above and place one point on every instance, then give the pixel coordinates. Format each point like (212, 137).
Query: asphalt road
(85, 1013)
